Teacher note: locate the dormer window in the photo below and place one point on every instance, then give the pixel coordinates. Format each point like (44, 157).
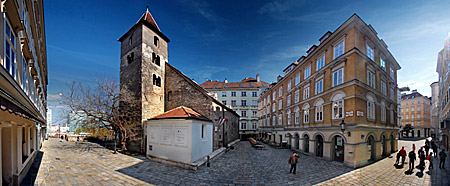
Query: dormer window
(155, 40)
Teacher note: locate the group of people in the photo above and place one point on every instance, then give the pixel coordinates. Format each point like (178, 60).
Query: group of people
(423, 154)
(67, 139)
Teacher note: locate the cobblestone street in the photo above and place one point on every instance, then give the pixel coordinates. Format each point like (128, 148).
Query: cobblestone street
(90, 164)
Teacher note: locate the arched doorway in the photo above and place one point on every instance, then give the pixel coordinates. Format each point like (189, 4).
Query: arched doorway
(371, 147)
(296, 138)
(418, 133)
(319, 146)
(383, 145)
(306, 143)
(289, 141)
(392, 144)
(338, 148)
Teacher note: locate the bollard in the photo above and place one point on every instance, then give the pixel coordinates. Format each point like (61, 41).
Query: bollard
(207, 162)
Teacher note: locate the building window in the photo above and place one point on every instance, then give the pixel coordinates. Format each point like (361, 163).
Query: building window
(407, 116)
(156, 80)
(297, 79)
(203, 131)
(369, 52)
(274, 120)
(307, 72)
(321, 62)
(280, 91)
(10, 48)
(24, 76)
(382, 64)
(254, 113)
(338, 77)
(233, 103)
(288, 101)
(243, 113)
(412, 109)
(418, 123)
(254, 94)
(412, 103)
(306, 113)
(319, 86)
(130, 58)
(391, 114)
(254, 102)
(392, 73)
(244, 125)
(297, 115)
(418, 116)
(383, 112)
(289, 85)
(224, 94)
(339, 49)
(233, 94)
(280, 104)
(244, 94)
(319, 110)
(392, 94)
(155, 40)
(243, 102)
(383, 88)
(224, 102)
(338, 106)
(370, 108)
(297, 96)
(274, 107)
(371, 78)
(254, 125)
(289, 117)
(280, 119)
(305, 93)
(418, 109)
(274, 95)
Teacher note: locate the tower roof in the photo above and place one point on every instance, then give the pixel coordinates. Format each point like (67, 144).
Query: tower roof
(147, 20)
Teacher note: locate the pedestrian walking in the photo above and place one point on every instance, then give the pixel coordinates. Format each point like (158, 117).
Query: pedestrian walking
(434, 147)
(442, 157)
(430, 160)
(414, 147)
(62, 138)
(420, 151)
(398, 158)
(403, 154)
(78, 140)
(427, 147)
(412, 158)
(293, 160)
(422, 161)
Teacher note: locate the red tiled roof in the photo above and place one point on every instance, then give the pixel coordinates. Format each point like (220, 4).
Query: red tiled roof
(181, 112)
(149, 18)
(245, 83)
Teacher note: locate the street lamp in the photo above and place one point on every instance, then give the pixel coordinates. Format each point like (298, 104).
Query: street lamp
(342, 126)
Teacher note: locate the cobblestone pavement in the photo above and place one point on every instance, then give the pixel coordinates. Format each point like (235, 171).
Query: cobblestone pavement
(90, 164)
(83, 164)
(384, 172)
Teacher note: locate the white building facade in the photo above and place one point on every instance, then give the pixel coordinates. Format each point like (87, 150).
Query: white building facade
(242, 97)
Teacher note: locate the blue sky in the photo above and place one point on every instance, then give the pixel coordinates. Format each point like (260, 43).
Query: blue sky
(235, 39)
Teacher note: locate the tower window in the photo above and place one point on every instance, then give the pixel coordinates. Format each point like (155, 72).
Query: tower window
(130, 58)
(130, 40)
(157, 61)
(153, 57)
(156, 80)
(155, 40)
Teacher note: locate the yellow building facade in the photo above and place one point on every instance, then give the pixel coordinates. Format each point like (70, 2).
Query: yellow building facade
(339, 101)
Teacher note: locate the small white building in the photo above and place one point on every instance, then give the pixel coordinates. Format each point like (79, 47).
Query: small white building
(181, 135)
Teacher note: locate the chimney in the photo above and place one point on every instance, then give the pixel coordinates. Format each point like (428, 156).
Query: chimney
(257, 78)
(279, 78)
(225, 81)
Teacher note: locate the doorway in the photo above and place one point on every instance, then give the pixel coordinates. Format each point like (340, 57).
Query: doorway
(319, 146)
(338, 149)
(392, 144)
(383, 145)
(371, 148)
(296, 138)
(306, 144)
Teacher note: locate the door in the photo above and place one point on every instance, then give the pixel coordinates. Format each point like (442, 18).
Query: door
(319, 146)
(338, 146)
(392, 144)
(371, 148)
(306, 144)
(383, 146)
(296, 138)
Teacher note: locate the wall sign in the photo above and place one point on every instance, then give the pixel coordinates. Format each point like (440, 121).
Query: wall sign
(166, 137)
(181, 136)
(154, 134)
(359, 113)
(349, 114)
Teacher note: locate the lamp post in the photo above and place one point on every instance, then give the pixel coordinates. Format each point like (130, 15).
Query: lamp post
(342, 126)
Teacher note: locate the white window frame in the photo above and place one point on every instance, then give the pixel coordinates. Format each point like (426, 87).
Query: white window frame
(280, 104)
(289, 117)
(319, 113)
(383, 112)
(383, 88)
(320, 62)
(371, 78)
(370, 52)
(383, 64)
(307, 72)
(297, 96)
(306, 116)
(339, 74)
(297, 79)
(306, 91)
(288, 101)
(280, 91)
(274, 95)
(289, 85)
(280, 119)
(339, 48)
(319, 86)
(297, 116)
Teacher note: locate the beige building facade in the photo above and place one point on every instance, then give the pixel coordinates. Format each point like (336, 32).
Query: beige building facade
(337, 102)
(434, 111)
(443, 69)
(23, 87)
(415, 110)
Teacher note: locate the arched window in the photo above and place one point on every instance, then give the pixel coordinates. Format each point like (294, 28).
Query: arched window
(319, 110)
(338, 105)
(130, 58)
(289, 117)
(157, 61)
(155, 40)
(305, 113)
(391, 114)
(383, 112)
(370, 107)
(297, 115)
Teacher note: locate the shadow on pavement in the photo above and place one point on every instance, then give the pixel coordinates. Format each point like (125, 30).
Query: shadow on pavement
(409, 172)
(34, 169)
(419, 174)
(398, 166)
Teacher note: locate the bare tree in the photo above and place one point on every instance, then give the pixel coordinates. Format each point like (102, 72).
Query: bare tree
(99, 105)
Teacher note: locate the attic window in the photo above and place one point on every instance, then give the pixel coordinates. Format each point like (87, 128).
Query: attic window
(130, 58)
(155, 40)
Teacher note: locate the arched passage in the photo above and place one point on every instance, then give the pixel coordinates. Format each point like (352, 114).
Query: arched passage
(338, 148)
(383, 145)
(371, 147)
(306, 143)
(319, 145)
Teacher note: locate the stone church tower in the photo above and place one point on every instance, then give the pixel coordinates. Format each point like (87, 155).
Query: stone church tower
(143, 57)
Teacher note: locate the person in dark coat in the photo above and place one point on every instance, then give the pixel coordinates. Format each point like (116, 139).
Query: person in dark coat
(398, 158)
(293, 160)
(422, 161)
(442, 157)
(62, 138)
(434, 147)
(427, 147)
(412, 158)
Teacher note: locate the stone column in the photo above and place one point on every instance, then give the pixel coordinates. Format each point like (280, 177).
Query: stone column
(19, 152)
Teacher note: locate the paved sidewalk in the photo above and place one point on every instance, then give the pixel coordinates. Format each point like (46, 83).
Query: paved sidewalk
(83, 164)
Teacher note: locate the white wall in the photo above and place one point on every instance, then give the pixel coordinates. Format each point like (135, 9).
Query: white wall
(201, 147)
